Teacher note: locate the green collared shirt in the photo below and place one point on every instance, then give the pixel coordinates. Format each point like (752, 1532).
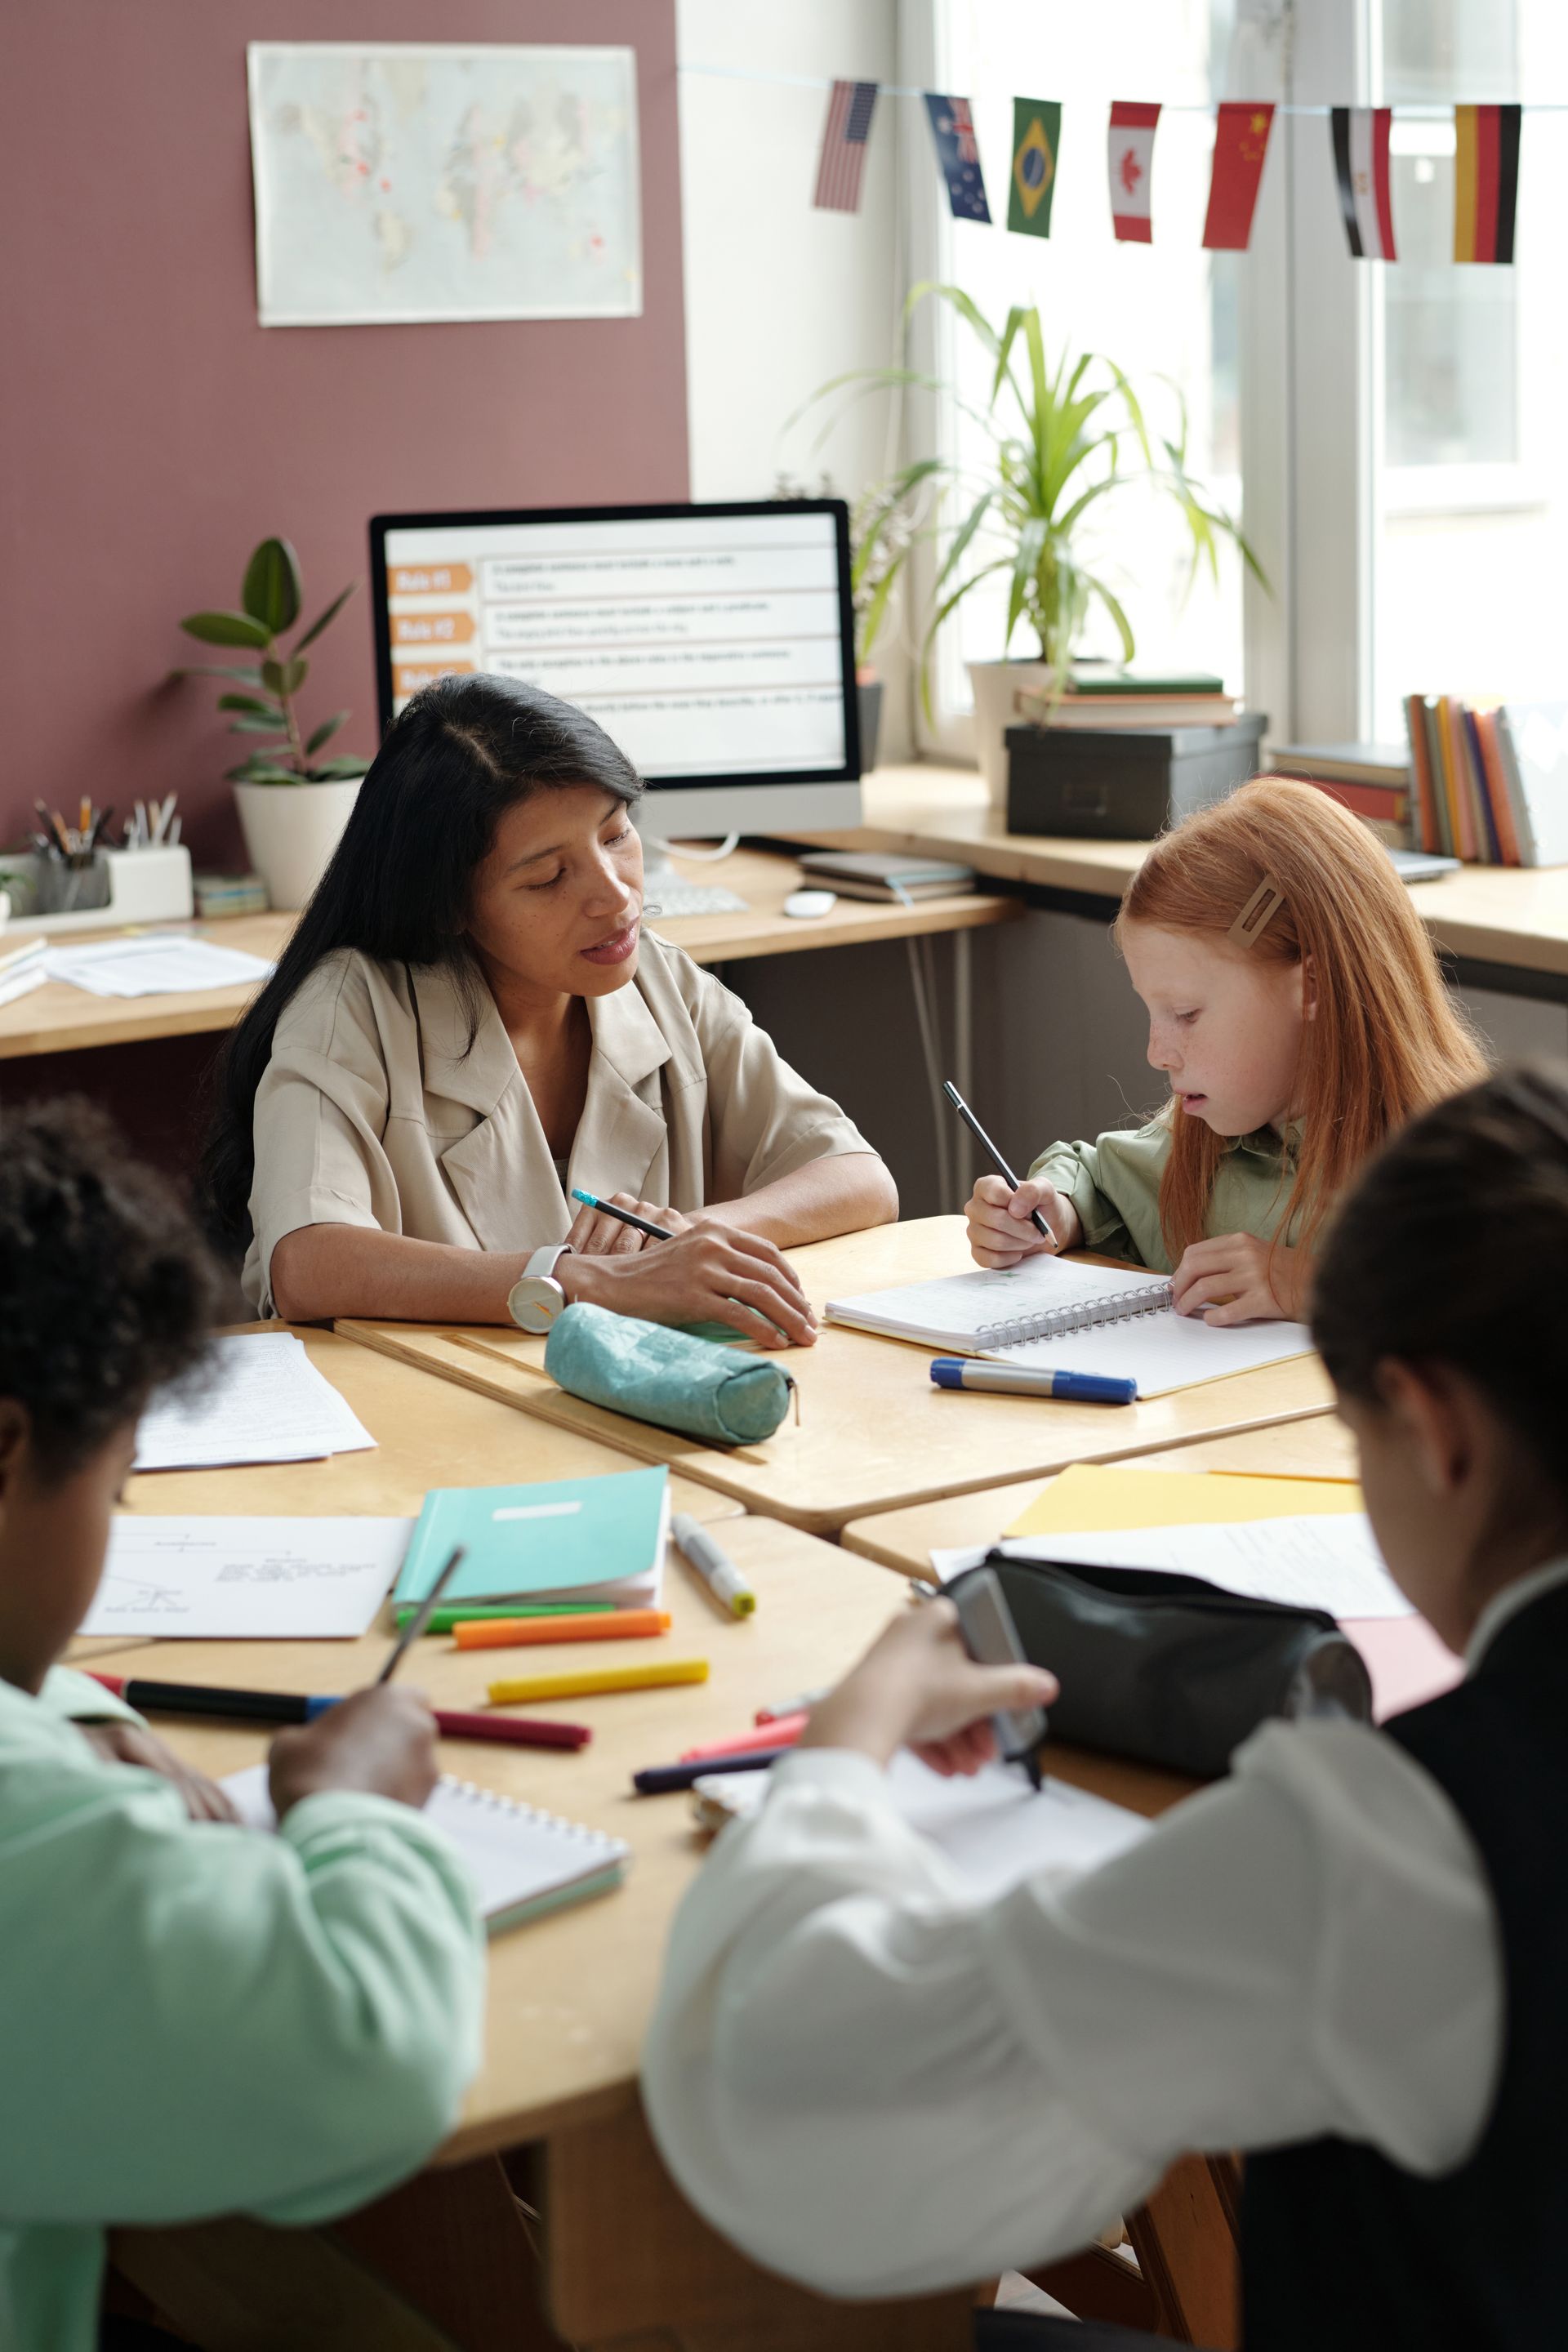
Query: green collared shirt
(202, 2020)
(1114, 1185)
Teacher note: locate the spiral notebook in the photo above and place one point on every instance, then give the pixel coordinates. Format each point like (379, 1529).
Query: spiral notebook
(524, 1862)
(1072, 1318)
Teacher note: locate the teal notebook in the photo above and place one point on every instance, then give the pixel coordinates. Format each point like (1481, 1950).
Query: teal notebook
(573, 1539)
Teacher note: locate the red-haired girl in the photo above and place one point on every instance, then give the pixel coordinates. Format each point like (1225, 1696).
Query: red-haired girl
(1297, 1008)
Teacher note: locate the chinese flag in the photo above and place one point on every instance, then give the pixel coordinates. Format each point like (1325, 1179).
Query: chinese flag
(1241, 141)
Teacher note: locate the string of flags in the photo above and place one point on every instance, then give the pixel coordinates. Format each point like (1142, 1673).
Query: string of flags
(1486, 169)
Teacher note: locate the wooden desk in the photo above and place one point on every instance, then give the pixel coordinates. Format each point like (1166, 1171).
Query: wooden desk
(58, 1019)
(427, 1434)
(873, 1435)
(1320, 1447)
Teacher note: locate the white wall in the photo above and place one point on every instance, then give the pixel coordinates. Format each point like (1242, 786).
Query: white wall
(780, 298)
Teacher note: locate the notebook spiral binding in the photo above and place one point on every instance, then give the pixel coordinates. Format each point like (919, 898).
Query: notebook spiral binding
(494, 1802)
(1061, 1322)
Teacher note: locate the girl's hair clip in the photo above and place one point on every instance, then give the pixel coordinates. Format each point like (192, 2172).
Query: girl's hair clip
(1258, 914)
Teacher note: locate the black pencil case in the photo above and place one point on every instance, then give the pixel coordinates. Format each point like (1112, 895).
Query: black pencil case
(1171, 1670)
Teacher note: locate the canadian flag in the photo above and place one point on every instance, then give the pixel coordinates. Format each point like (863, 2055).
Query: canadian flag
(1130, 157)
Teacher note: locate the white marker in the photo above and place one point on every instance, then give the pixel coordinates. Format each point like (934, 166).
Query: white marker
(717, 1569)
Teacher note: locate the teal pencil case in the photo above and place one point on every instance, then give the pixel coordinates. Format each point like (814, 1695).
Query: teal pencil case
(667, 1377)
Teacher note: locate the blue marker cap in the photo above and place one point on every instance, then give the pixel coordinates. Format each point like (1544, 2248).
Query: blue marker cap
(947, 1371)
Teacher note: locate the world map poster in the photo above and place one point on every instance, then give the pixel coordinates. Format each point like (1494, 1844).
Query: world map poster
(402, 182)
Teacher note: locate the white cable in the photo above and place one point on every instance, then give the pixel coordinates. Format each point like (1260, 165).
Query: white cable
(726, 849)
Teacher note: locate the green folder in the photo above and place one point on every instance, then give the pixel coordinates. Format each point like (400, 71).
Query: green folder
(572, 1539)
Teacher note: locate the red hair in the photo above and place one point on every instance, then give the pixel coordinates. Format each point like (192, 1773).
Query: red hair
(1386, 1041)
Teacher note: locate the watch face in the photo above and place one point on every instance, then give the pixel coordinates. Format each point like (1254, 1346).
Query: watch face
(535, 1302)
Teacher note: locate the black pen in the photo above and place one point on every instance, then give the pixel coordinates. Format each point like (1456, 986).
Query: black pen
(644, 1224)
(978, 1132)
(423, 1614)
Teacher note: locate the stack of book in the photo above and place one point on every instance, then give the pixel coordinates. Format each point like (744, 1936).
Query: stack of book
(1116, 701)
(1491, 785)
(1371, 779)
(22, 970)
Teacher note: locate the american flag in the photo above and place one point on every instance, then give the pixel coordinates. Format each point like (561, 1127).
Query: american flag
(844, 138)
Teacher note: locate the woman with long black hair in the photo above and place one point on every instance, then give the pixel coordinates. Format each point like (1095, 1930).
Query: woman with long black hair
(469, 1021)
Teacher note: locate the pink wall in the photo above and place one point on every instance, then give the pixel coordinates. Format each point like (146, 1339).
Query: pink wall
(152, 432)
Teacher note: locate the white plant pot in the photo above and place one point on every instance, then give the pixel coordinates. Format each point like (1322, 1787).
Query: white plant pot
(996, 686)
(291, 832)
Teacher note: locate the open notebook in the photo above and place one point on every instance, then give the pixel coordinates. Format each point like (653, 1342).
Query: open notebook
(1072, 1318)
(524, 1862)
(993, 1827)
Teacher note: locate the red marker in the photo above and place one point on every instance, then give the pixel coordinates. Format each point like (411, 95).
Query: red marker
(782, 1732)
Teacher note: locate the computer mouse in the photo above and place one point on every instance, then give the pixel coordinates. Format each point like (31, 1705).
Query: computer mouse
(807, 904)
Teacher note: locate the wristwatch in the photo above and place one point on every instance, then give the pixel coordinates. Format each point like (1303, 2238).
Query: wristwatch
(536, 1298)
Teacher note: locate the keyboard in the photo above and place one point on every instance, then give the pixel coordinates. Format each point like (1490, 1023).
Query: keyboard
(668, 895)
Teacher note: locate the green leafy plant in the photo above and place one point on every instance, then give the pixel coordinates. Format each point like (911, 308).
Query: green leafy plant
(1063, 437)
(271, 599)
(883, 527)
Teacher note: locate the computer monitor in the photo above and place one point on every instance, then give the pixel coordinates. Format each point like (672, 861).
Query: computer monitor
(716, 644)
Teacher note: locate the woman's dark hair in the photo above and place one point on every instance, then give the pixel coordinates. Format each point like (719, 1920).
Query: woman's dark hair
(462, 752)
(1452, 1249)
(107, 1290)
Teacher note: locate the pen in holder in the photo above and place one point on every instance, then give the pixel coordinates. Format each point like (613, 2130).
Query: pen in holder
(73, 884)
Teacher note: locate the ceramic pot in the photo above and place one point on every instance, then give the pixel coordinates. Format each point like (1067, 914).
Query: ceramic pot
(869, 694)
(291, 832)
(996, 686)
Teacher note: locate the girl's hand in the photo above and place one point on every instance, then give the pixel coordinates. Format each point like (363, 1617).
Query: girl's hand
(594, 1235)
(132, 1743)
(1240, 1279)
(1000, 1232)
(917, 1686)
(708, 1274)
(380, 1742)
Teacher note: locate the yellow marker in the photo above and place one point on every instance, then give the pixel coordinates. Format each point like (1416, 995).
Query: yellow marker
(594, 1679)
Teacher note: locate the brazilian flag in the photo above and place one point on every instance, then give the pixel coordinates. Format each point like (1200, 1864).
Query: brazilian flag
(1036, 132)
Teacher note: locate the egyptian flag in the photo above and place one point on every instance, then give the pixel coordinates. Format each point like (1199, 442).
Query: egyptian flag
(1486, 182)
(1361, 166)
(1036, 140)
(844, 137)
(1241, 141)
(1129, 154)
(958, 153)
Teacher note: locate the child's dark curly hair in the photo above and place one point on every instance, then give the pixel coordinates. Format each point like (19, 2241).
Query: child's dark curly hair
(107, 1290)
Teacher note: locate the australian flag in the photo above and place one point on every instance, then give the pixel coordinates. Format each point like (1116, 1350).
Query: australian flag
(952, 128)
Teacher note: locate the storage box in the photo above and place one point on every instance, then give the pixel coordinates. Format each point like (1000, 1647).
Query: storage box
(145, 885)
(1125, 786)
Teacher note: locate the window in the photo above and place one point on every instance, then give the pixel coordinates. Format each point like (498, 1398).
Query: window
(1167, 313)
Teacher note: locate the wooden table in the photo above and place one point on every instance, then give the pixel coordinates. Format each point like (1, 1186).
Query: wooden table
(1496, 919)
(874, 1434)
(1320, 1447)
(59, 1019)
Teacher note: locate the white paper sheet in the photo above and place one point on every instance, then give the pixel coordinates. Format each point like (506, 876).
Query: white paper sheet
(247, 1579)
(1329, 1561)
(155, 963)
(262, 1401)
(993, 1827)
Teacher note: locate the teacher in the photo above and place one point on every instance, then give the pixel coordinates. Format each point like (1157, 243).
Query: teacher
(470, 1020)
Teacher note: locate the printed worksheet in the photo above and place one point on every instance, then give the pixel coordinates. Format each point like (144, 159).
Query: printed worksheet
(247, 1579)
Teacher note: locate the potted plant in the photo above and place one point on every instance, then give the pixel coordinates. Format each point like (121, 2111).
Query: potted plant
(293, 805)
(1063, 437)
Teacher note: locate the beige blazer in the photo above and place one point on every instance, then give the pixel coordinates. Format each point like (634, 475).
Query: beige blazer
(371, 1113)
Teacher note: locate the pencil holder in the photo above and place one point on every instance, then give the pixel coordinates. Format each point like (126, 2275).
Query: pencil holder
(646, 1369)
(76, 885)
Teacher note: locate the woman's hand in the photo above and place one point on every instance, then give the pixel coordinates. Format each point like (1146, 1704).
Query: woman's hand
(595, 1234)
(132, 1743)
(917, 1686)
(1000, 1232)
(708, 1274)
(1240, 1279)
(380, 1743)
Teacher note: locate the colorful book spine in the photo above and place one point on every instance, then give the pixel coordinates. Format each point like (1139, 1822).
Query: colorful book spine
(1491, 831)
(1421, 769)
(1461, 839)
(1498, 793)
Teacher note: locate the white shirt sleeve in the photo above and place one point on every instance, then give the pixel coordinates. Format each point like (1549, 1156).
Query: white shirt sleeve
(878, 2085)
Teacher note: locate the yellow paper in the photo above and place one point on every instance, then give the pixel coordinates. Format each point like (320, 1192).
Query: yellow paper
(1091, 1496)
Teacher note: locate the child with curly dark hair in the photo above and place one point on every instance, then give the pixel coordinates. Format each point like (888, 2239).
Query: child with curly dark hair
(198, 2020)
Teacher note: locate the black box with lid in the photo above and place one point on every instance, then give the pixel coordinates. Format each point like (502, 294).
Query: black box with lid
(1127, 785)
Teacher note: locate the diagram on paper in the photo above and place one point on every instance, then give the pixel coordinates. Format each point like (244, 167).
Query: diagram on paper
(246, 1579)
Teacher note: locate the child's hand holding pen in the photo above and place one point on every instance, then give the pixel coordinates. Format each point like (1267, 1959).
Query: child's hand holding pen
(1001, 1228)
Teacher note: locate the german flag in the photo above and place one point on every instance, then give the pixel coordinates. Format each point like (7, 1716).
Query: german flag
(1485, 181)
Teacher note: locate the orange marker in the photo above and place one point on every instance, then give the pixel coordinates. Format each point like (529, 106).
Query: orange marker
(509, 1632)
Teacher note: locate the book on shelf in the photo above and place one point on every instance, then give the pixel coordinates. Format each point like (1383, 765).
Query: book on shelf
(1372, 780)
(1116, 702)
(1490, 779)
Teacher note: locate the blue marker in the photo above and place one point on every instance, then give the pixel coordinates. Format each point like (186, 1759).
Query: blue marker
(644, 1224)
(1031, 1379)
